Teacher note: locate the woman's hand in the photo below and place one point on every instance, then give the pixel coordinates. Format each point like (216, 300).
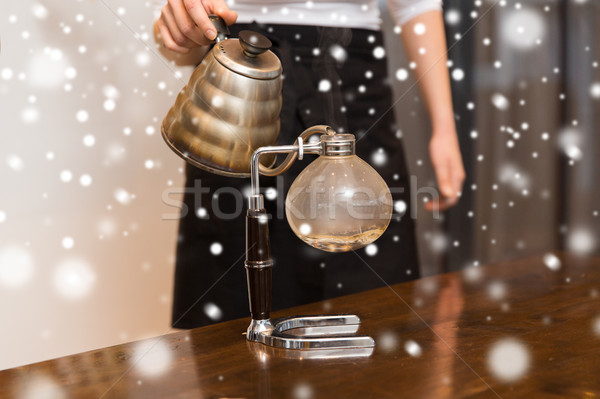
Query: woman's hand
(184, 24)
(448, 166)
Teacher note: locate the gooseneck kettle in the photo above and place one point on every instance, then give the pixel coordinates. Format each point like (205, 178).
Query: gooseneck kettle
(230, 106)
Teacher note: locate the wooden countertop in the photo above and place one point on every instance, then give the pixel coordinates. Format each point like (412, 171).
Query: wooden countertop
(513, 330)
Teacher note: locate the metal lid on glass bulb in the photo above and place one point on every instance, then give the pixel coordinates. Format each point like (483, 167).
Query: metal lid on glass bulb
(338, 144)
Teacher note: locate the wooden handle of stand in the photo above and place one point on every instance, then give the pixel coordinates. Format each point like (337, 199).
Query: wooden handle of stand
(259, 292)
(259, 265)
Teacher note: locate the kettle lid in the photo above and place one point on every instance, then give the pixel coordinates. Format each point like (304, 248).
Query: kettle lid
(249, 56)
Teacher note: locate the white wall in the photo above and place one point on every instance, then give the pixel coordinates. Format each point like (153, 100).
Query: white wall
(114, 284)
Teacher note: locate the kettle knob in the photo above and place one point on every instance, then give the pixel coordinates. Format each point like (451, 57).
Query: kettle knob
(221, 27)
(254, 43)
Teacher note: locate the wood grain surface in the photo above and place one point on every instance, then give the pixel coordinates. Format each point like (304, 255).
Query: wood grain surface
(518, 329)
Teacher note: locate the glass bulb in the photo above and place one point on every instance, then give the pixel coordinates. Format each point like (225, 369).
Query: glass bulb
(338, 204)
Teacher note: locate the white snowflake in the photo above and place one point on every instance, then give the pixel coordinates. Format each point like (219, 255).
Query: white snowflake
(473, 274)
(305, 229)
(68, 242)
(500, 101)
(458, 74)
(379, 157)
(388, 341)
(508, 360)
(74, 279)
(595, 90)
(401, 74)
(497, 290)
(122, 196)
(596, 326)
(324, 85)
(303, 391)
(552, 262)
(110, 92)
(419, 28)
(371, 249)
(82, 116)
(89, 140)
(85, 180)
(378, 52)
(400, 207)
(453, 16)
(142, 58)
(217, 101)
(213, 311)
(7, 74)
(151, 358)
(338, 53)
(216, 248)
(42, 387)
(107, 227)
(46, 70)
(581, 241)
(39, 11)
(438, 242)
(71, 73)
(201, 212)
(109, 105)
(271, 193)
(15, 162)
(521, 29)
(66, 176)
(413, 348)
(16, 266)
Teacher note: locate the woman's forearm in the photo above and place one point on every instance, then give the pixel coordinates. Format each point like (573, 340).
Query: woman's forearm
(425, 43)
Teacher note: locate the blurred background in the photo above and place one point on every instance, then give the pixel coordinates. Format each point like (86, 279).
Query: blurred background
(89, 190)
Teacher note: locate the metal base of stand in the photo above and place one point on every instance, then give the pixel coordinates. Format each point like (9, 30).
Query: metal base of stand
(310, 332)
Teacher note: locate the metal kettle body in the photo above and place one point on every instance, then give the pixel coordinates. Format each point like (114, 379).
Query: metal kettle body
(229, 108)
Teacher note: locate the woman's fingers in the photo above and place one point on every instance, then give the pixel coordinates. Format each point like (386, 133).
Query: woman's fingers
(168, 40)
(448, 167)
(450, 176)
(441, 205)
(458, 177)
(186, 24)
(443, 175)
(178, 36)
(219, 7)
(199, 14)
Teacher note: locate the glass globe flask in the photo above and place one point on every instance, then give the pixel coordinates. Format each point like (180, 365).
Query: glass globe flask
(338, 202)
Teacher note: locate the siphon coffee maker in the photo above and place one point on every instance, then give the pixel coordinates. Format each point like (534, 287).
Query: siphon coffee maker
(226, 121)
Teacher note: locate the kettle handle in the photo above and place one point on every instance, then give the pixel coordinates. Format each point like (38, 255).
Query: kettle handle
(291, 157)
(221, 27)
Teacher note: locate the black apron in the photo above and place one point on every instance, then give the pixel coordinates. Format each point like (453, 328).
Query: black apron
(210, 279)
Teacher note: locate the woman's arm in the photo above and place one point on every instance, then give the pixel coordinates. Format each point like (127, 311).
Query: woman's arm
(183, 31)
(425, 43)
